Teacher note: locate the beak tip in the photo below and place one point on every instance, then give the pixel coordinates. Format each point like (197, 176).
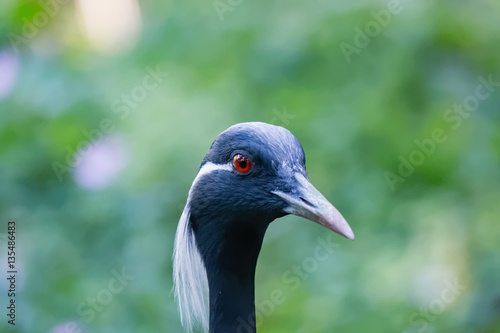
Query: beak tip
(347, 233)
(336, 222)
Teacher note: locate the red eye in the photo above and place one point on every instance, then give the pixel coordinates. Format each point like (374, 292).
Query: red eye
(242, 163)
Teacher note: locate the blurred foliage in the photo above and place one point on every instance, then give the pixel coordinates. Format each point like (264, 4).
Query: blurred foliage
(264, 61)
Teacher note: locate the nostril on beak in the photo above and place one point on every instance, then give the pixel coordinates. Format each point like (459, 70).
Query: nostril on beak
(307, 202)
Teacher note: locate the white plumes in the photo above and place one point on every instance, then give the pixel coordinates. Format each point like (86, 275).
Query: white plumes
(190, 276)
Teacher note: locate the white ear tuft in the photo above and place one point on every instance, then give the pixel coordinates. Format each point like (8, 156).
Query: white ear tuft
(190, 277)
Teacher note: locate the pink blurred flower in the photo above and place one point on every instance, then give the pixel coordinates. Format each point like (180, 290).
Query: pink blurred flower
(67, 327)
(9, 65)
(100, 163)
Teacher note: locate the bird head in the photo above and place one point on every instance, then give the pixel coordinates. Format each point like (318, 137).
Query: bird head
(252, 174)
(256, 172)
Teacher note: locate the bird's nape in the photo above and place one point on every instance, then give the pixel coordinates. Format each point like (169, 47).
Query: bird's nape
(252, 174)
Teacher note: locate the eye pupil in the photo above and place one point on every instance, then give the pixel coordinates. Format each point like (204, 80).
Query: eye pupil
(242, 163)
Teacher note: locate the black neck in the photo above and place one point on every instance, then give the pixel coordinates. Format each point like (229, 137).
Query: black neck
(230, 257)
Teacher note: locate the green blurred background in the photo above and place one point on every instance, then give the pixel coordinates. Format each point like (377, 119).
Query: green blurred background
(107, 109)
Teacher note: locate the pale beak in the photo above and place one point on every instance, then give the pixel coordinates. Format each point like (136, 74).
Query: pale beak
(309, 203)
